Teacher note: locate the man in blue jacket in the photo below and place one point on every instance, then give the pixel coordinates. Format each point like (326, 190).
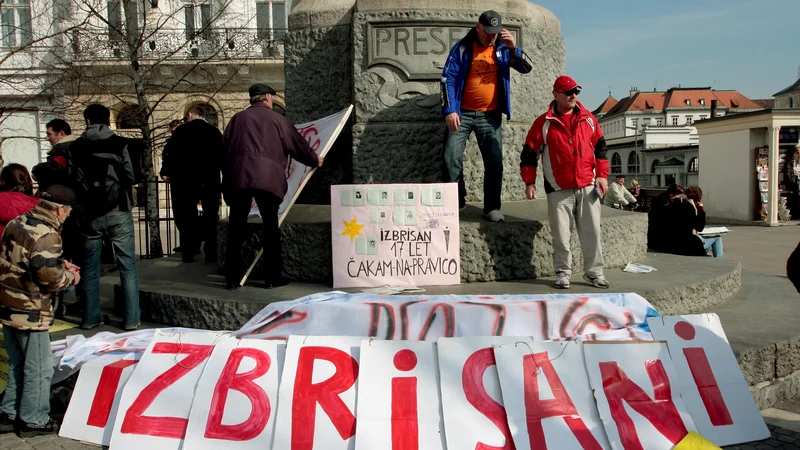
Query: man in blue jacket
(476, 91)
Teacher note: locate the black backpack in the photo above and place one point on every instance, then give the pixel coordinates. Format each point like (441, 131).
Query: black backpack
(97, 178)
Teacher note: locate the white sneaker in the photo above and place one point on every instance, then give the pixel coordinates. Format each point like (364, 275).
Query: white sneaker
(562, 281)
(496, 216)
(598, 281)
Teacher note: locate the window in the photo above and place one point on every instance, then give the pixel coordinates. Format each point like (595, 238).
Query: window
(271, 19)
(129, 118)
(791, 102)
(633, 162)
(15, 22)
(60, 9)
(675, 120)
(653, 167)
(659, 122)
(115, 20)
(616, 163)
(694, 165)
(190, 16)
(703, 116)
(702, 102)
(635, 123)
(210, 113)
(688, 120)
(688, 102)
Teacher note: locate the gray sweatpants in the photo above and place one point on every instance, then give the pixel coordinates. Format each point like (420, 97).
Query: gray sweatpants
(582, 206)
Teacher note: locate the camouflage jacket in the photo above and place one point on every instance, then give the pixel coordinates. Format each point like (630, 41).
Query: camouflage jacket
(31, 270)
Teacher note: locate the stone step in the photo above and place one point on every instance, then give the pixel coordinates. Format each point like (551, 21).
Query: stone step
(519, 248)
(194, 295)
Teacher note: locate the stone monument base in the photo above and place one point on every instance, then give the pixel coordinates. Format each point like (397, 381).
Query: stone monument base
(519, 248)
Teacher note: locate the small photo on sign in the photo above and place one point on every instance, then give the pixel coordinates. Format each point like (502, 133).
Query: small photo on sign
(384, 197)
(383, 217)
(432, 223)
(372, 246)
(361, 246)
(398, 216)
(347, 197)
(411, 217)
(399, 197)
(438, 197)
(373, 197)
(359, 197)
(411, 197)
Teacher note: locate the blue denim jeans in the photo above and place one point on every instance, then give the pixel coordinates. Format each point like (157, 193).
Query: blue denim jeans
(118, 227)
(489, 132)
(713, 243)
(30, 371)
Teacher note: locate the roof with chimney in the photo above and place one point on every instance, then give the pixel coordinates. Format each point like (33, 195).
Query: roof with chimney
(683, 98)
(792, 88)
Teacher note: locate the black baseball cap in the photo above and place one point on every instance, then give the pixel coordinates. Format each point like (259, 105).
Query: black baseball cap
(59, 194)
(492, 22)
(261, 89)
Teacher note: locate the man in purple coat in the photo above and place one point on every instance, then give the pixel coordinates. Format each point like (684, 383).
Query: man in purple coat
(257, 142)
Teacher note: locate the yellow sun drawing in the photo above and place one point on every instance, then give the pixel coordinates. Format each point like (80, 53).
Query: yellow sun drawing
(352, 229)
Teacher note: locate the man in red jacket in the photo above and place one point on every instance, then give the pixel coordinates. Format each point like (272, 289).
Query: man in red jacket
(575, 170)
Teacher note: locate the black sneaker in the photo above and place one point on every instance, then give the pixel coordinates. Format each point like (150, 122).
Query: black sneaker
(6, 423)
(27, 430)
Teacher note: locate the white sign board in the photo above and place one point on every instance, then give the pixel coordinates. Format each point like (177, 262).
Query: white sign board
(398, 397)
(472, 403)
(93, 408)
(154, 410)
(236, 400)
(711, 383)
(317, 396)
(548, 398)
(637, 393)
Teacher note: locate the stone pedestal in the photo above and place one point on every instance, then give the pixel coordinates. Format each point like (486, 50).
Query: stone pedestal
(387, 58)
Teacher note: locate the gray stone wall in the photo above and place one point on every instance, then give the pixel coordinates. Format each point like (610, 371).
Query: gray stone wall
(399, 131)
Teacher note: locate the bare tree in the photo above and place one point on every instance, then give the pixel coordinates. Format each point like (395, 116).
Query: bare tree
(117, 51)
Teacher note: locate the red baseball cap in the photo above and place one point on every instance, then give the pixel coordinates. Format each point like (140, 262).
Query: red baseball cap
(565, 83)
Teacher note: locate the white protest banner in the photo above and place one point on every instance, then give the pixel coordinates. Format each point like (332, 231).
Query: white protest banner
(429, 317)
(398, 397)
(320, 134)
(395, 235)
(472, 403)
(317, 396)
(711, 383)
(637, 393)
(93, 408)
(236, 399)
(547, 396)
(154, 409)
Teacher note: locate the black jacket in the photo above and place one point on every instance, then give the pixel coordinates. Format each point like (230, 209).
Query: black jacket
(194, 155)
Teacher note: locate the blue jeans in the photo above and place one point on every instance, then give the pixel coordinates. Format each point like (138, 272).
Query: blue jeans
(30, 370)
(118, 227)
(489, 132)
(713, 243)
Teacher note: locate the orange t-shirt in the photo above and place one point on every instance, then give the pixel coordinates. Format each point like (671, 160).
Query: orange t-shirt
(480, 89)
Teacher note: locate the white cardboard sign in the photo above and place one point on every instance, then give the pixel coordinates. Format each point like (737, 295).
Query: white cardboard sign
(711, 382)
(95, 400)
(236, 399)
(398, 397)
(637, 394)
(155, 404)
(472, 403)
(317, 395)
(547, 396)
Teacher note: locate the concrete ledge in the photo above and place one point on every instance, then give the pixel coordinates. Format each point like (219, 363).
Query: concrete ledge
(193, 295)
(519, 248)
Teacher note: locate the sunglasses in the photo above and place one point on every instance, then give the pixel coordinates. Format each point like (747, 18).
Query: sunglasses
(571, 92)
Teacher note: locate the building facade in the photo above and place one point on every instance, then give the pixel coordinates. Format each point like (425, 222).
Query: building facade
(169, 55)
(651, 135)
(788, 98)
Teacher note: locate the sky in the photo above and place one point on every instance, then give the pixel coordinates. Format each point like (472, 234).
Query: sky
(752, 46)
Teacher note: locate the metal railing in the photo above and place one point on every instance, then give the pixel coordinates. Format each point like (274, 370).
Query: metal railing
(211, 43)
